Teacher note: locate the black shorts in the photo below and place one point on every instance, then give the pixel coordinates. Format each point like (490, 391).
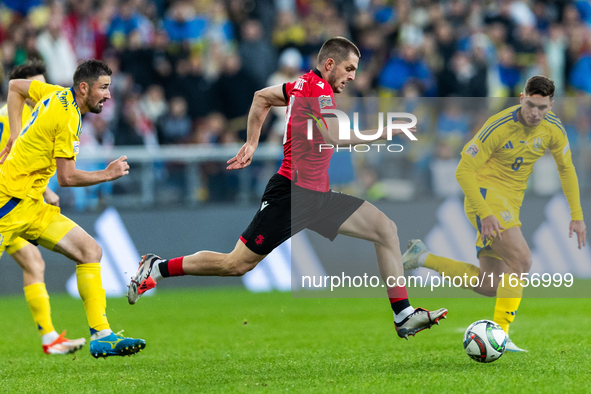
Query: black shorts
(287, 209)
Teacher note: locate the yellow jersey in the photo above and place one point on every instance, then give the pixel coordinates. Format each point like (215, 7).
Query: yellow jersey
(502, 155)
(5, 127)
(52, 131)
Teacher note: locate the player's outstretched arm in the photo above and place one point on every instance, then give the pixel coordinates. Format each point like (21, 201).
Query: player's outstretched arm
(18, 92)
(68, 175)
(261, 104)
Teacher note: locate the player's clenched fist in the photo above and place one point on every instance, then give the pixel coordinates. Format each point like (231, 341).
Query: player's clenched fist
(118, 168)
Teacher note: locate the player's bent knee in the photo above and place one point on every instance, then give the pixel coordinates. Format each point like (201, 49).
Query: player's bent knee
(521, 262)
(387, 230)
(486, 291)
(237, 269)
(91, 253)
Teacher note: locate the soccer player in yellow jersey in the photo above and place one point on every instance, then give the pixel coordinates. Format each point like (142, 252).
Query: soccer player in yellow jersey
(493, 173)
(48, 143)
(25, 253)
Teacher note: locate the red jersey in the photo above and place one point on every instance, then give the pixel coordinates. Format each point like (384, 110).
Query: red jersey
(304, 162)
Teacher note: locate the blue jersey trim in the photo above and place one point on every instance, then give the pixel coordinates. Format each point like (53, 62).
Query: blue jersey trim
(494, 128)
(492, 125)
(9, 206)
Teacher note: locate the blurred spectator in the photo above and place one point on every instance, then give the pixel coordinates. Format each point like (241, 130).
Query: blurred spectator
(509, 75)
(443, 171)
(453, 124)
(136, 60)
(22, 6)
(408, 65)
(84, 31)
(211, 129)
(153, 103)
(190, 83)
(57, 52)
(468, 77)
(135, 127)
(183, 24)
(128, 19)
(174, 127)
(288, 31)
(233, 93)
(257, 55)
(290, 66)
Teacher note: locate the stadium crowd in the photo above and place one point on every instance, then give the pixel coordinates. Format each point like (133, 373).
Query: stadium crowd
(185, 71)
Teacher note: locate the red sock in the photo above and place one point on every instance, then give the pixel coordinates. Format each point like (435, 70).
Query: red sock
(172, 267)
(398, 298)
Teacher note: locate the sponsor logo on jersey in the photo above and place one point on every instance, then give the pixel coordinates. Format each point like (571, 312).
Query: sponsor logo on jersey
(264, 205)
(299, 84)
(508, 145)
(325, 101)
(76, 147)
(321, 84)
(472, 150)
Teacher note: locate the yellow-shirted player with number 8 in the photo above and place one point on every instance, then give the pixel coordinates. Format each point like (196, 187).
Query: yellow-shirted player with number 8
(493, 174)
(47, 144)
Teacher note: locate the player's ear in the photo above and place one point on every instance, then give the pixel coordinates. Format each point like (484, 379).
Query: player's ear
(329, 65)
(83, 88)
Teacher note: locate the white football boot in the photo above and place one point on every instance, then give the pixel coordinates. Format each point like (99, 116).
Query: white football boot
(512, 347)
(410, 258)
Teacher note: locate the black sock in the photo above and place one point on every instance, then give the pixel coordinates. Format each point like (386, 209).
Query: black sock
(399, 305)
(163, 267)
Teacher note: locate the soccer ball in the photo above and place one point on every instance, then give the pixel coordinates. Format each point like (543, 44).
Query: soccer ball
(484, 341)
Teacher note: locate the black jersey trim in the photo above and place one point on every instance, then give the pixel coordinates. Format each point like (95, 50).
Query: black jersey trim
(284, 88)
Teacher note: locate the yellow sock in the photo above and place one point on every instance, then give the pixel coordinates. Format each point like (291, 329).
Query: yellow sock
(451, 267)
(38, 300)
(92, 293)
(508, 299)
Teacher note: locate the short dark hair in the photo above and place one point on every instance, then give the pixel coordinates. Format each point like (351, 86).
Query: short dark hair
(541, 85)
(338, 49)
(27, 70)
(89, 71)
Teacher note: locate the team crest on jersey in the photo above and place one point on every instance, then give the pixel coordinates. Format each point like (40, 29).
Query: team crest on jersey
(506, 215)
(76, 147)
(538, 143)
(472, 150)
(325, 101)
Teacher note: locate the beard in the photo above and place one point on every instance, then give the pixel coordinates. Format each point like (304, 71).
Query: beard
(95, 109)
(332, 81)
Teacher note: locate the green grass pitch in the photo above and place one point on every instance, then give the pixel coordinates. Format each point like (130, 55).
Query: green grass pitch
(229, 340)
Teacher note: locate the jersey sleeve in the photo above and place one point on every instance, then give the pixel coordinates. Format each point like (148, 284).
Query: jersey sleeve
(296, 88)
(38, 89)
(67, 141)
(560, 149)
(477, 152)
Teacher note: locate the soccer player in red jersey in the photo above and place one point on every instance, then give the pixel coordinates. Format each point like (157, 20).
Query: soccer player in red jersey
(298, 196)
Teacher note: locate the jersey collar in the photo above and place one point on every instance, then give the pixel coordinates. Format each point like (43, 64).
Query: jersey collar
(317, 72)
(74, 97)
